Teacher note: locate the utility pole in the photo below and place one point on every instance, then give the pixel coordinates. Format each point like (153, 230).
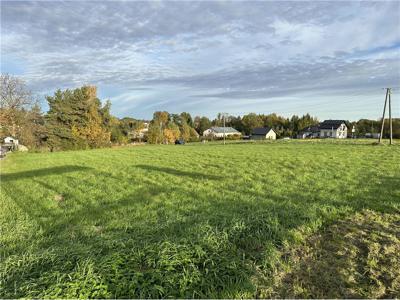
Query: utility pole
(224, 115)
(390, 116)
(224, 128)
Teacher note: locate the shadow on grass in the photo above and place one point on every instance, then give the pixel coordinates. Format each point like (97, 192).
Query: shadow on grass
(175, 172)
(210, 248)
(42, 172)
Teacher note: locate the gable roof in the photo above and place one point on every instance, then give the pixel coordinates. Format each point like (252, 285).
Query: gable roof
(329, 124)
(261, 130)
(224, 129)
(312, 129)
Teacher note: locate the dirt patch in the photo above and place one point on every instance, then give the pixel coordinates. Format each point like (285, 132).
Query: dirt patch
(358, 257)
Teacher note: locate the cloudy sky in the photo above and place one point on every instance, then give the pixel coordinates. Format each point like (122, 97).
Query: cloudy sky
(331, 59)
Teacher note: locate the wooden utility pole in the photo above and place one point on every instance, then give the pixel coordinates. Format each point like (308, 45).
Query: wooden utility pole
(390, 117)
(224, 116)
(384, 111)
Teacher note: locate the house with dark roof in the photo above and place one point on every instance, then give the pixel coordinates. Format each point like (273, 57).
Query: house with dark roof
(310, 132)
(333, 129)
(219, 132)
(263, 133)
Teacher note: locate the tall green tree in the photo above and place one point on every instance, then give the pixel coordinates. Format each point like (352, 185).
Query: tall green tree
(251, 121)
(76, 120)
(201, 124)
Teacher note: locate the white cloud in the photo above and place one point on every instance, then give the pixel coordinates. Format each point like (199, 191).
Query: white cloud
(191, 53)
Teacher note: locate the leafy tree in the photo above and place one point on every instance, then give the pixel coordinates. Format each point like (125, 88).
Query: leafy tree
(155, 135)
(32, 130)
(15, 100)
(194, 136)
(161, 117)
(251, 121)
(236, 122)
(201, 124)
(185, 132)
(187, 118)
(76, 120)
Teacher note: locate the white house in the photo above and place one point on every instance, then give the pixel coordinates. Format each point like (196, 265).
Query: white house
(310, 132)
(333, 129)
(10, 144)
(10, 140)
(263, 133)
(219, 132)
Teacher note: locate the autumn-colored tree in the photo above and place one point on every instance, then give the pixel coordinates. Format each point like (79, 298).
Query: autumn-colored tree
(32, 130)
(194, 136)
(171, 133)
(76, 120)
(154, 135)
(187, 118)
(15, 100)
(185, 132)
(161, 117)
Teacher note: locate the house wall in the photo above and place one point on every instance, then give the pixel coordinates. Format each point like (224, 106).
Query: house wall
(302, 135)
(308, 134)
(271, 135)
(11, 140)
(340, 133)
(257, 137)
(221, 135)
(211, 133)
(326, 133)
(207, 132)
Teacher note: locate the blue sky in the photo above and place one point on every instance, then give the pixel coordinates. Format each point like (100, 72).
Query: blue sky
(330, 59)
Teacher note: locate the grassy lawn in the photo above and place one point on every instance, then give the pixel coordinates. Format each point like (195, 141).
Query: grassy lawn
(273, 219)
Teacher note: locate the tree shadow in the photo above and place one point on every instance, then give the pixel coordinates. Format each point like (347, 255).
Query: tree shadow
(42, 172)
(218, 241)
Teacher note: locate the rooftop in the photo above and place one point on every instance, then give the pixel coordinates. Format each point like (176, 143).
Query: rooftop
(329, 124)
(260, 130)
(224, 129)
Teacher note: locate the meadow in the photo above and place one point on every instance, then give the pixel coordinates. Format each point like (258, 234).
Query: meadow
(268, 219)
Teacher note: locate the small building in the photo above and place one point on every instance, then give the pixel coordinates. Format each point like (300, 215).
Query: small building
(333, 129)
(369, 135)
(10, 144)
(219, 132)
(142, 132)
(310, 132)
(11, 140)
(263, 133)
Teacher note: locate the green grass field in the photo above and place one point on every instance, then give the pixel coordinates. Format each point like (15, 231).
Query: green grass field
(273, 219)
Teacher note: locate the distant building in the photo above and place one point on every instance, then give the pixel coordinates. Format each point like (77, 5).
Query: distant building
(140, 133)
(10, 144)
(263, 133)
(11, 140)
(333, 129)
(219, 132)
(369, 135)
(310, 132)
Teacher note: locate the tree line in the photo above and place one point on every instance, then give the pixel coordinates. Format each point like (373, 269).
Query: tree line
(77, 119)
